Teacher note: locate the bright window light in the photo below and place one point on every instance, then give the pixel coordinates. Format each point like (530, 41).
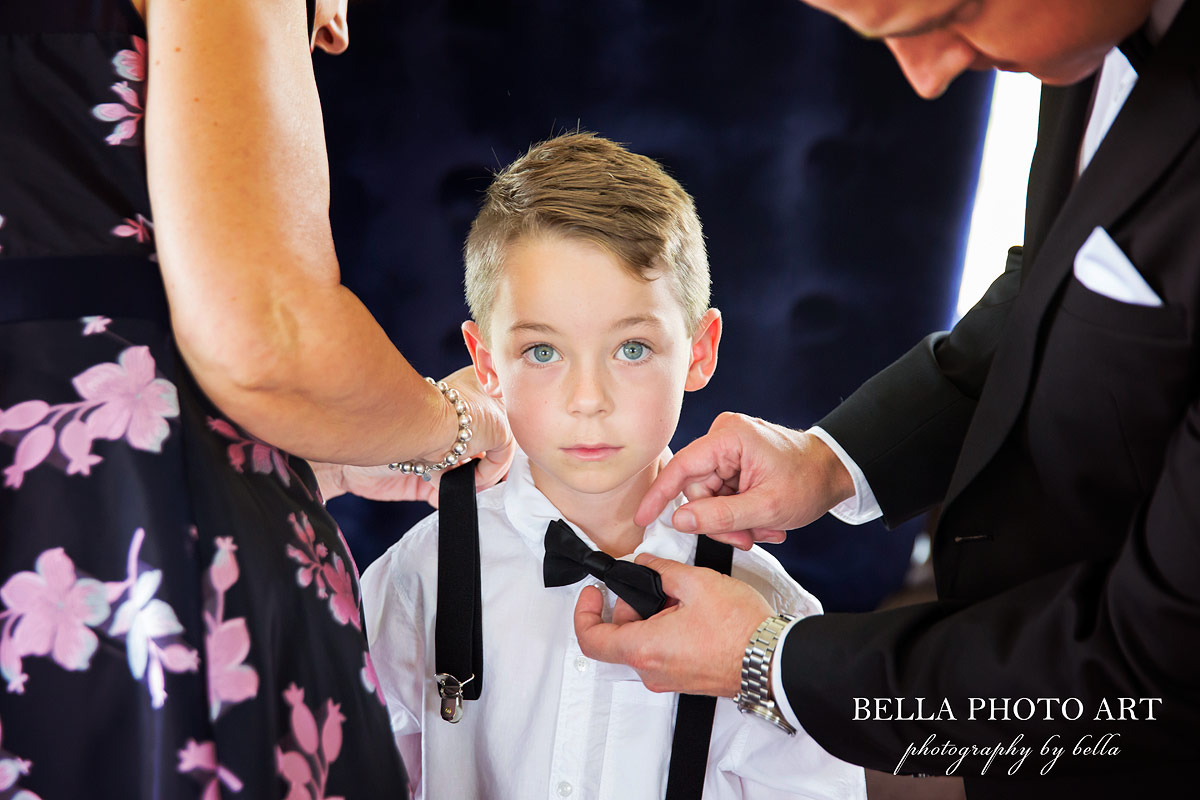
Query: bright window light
(998, 218)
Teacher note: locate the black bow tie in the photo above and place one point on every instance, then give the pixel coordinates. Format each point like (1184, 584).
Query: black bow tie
(569, 560)
(1137, 49)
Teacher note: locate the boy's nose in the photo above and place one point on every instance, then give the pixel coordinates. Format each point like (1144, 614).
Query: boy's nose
(587, 392)
(932, 60)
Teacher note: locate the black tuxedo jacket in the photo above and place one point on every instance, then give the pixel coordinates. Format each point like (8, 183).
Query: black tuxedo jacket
(1059, 430)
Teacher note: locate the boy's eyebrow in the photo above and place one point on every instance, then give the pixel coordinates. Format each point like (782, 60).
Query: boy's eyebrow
(627, 322)
(639, 319)
(532, 327)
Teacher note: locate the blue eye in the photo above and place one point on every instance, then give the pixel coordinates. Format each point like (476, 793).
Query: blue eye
(632, 351)
(543, 354)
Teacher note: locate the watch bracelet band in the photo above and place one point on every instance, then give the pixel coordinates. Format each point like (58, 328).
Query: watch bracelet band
(756, 696)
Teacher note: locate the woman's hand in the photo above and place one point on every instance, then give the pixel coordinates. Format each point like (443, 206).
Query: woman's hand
(373, 483)
(491, 443)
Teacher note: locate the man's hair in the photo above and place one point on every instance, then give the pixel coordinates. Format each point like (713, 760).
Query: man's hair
(584, 186)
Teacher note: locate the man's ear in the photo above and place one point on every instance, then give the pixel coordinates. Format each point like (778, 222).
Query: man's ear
(705, 343)
(481, 357)
(334, 36)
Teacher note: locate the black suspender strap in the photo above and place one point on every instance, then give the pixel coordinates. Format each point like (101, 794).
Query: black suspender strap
(458, 635)
(694, 717)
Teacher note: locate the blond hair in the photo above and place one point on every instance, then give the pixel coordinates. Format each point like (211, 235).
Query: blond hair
(584, 186)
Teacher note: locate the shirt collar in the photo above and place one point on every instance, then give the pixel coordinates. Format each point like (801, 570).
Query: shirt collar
(529, 512)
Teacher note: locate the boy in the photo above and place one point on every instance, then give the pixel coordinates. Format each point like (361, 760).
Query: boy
(588, 285)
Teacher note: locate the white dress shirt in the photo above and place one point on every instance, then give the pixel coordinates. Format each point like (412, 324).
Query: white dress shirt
(1113, 85)
(552, 723)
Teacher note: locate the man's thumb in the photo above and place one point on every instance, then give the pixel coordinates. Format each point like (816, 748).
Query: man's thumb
(675, 576)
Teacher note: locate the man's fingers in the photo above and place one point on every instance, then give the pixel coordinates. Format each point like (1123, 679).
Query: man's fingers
(769, 535)
(589, 606)
(728, 514)
(623, 612)
(669, 483)
(742, 540)
(660, 565)
(694, 464)
(597, 639)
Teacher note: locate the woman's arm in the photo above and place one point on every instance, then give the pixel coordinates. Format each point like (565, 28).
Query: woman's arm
(239, 188)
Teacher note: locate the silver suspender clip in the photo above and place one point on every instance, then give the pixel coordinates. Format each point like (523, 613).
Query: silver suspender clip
(450, 690)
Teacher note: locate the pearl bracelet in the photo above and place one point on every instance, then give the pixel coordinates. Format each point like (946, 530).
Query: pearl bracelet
(457, 450)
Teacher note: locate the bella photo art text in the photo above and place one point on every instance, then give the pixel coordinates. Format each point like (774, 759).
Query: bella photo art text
(1004, 709)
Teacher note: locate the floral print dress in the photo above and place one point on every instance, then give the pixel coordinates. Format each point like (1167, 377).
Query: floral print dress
(179, 616)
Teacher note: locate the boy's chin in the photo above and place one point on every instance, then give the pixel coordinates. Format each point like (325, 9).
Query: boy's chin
(600, 478)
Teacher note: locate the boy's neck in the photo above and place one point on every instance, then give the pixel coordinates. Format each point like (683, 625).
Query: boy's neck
(606, 518)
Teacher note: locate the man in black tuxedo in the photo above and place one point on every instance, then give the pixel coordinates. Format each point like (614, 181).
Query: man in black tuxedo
(1057, 427)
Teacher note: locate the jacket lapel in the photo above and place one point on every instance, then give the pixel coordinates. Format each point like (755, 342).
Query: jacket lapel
(1160, 118)
(1061, 121)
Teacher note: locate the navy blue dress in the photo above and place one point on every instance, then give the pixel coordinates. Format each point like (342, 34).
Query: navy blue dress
(179, 616)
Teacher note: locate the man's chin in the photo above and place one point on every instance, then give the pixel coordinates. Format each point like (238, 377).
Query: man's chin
(1060, 75)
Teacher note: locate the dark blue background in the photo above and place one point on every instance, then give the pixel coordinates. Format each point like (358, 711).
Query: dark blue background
(834, 201)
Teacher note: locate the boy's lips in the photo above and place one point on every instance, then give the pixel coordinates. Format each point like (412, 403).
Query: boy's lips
(591, 452)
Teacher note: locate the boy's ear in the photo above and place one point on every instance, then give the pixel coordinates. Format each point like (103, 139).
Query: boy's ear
(704, 351)
(481, 357)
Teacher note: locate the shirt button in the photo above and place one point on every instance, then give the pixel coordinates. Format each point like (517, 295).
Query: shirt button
(581, 664)
(564, 789)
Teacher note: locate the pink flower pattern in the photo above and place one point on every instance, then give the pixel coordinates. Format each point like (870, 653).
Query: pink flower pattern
(11, 770)
(140, 229)
(230, 681)
(370, 679)
(150, 627)
(94, 325)
(332, 579)
(52, 611)
(263, 458)
(130, 65)
(342, 603)
(310, 554)
(120, 400)
(200, 759)
(315, 748)
(134, 403)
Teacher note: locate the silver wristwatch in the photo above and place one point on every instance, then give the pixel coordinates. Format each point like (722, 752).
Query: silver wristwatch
(755, 696)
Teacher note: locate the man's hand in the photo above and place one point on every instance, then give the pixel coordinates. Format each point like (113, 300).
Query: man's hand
(695, 646)
(748, 480)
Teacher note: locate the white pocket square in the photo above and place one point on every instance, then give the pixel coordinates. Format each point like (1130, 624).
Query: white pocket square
(1102, 267)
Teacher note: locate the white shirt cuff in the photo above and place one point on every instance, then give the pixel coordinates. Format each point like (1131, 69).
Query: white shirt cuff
(781, 701)
(862, 506)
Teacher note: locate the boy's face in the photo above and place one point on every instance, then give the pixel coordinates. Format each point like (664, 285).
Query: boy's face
(591, 362)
